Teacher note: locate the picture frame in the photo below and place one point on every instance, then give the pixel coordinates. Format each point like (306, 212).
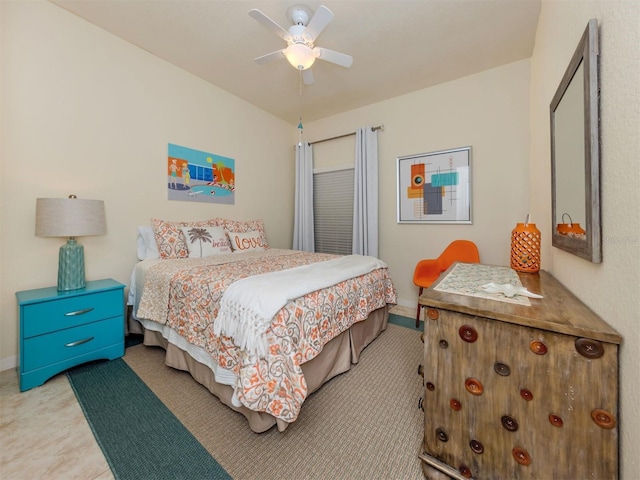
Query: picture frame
(198, 176)
(435, 187)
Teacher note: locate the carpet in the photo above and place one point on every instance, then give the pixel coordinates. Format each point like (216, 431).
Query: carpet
(363, 424)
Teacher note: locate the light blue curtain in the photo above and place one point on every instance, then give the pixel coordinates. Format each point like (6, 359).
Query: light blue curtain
(303, 238)
(365, 202)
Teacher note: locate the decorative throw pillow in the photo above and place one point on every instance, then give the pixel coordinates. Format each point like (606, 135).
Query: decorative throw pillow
(205, 241)
(170, 240)
(217, 222)
(246, 241)
(235, 226)
(146, 243)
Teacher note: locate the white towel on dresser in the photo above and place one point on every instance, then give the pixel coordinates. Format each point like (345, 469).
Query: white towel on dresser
(248, 305)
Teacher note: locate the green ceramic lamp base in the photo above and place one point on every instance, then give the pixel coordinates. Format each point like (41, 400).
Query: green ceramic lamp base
(71, 266)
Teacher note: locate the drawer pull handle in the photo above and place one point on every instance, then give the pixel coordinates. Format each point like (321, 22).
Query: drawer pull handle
(78, 312)
(79, 342)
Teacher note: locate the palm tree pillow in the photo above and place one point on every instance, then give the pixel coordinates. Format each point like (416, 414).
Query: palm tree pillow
(206, 241)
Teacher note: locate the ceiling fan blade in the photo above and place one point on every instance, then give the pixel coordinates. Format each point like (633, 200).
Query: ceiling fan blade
(319, 22)
(331, 56)
(307, 77)
(268, 23)
(269, 57)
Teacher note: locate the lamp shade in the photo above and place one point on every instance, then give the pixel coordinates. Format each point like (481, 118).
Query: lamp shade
(69, 217)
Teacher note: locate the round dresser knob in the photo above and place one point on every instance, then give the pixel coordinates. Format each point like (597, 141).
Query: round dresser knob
(473, 386)
(509, 423)
(555, 420)
(502, 369)
(603, 418)
(521, 456)
(464, 471)
(476, 446)
(589, 348)
(526, 394)
(538, 347)
(442, 435)
(468, 333)
(430, 386)
(432, 313)
(455, 404)
(443, 343)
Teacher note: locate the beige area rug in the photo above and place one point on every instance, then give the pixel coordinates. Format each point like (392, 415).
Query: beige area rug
(363, 424)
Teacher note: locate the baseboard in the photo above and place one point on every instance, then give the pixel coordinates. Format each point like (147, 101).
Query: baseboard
(404, 310)
(8, 363)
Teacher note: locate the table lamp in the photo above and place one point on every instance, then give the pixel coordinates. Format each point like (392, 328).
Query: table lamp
(70, 217)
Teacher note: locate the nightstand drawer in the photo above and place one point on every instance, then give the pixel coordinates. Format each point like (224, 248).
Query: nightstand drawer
(64, 313)
(62, 345)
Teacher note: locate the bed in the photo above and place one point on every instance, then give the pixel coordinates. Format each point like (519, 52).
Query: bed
(261, 365)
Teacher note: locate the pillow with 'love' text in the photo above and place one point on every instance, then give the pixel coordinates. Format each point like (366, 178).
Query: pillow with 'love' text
(246, 241)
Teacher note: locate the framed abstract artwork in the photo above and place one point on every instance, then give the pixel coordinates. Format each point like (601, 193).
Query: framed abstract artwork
(435, 187)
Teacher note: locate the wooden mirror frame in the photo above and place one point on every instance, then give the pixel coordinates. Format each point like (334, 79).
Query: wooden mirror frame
(589, 245)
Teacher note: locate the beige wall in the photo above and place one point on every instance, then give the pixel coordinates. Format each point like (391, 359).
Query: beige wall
(488, 111)
(86, 113)
(612, 288)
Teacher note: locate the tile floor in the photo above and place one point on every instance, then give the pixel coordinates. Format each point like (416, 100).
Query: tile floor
(44, 435)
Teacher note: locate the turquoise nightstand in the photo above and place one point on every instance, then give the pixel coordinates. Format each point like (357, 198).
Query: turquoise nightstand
(59, 330)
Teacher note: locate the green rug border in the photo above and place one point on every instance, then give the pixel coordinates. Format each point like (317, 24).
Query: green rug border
(114, 418)
(404, 322)
(105, 391)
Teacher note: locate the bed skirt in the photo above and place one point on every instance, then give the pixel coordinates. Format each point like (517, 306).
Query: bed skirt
(336, 358)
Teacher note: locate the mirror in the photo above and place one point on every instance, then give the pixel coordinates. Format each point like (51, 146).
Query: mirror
(575, 154)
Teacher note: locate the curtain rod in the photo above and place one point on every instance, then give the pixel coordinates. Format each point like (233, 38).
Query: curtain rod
(373, 129)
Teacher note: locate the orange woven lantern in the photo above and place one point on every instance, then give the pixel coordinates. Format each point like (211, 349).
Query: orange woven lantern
(525, 248)
(570, 229)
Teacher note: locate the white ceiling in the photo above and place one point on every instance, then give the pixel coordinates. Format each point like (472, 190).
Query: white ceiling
(398, 46)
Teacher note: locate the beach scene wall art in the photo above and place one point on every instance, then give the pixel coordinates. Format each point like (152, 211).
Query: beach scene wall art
(197, 176)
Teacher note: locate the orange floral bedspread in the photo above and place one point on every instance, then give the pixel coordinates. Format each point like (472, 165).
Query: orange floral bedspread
(185, 294)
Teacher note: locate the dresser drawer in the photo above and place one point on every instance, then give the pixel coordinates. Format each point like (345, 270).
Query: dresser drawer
(64, 313)
(62, 345)
(496, 410)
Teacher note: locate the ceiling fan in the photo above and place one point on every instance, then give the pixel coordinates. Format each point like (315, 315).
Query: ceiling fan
(300, 51)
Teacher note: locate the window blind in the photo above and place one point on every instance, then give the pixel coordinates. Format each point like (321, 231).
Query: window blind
(333, 211)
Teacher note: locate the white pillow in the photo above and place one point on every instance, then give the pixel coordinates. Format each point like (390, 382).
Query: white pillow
(146, 243)
(246, 241)
(205, 241)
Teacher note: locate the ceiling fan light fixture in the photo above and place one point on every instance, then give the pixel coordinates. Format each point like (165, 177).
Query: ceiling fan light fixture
(300, 55)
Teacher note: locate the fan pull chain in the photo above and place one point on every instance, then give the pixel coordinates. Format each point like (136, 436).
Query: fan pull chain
(300, 127)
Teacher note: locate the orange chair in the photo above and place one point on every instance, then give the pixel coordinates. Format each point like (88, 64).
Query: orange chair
(428, 271)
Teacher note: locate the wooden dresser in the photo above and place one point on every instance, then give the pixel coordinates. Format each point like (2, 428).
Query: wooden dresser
(518, 391)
